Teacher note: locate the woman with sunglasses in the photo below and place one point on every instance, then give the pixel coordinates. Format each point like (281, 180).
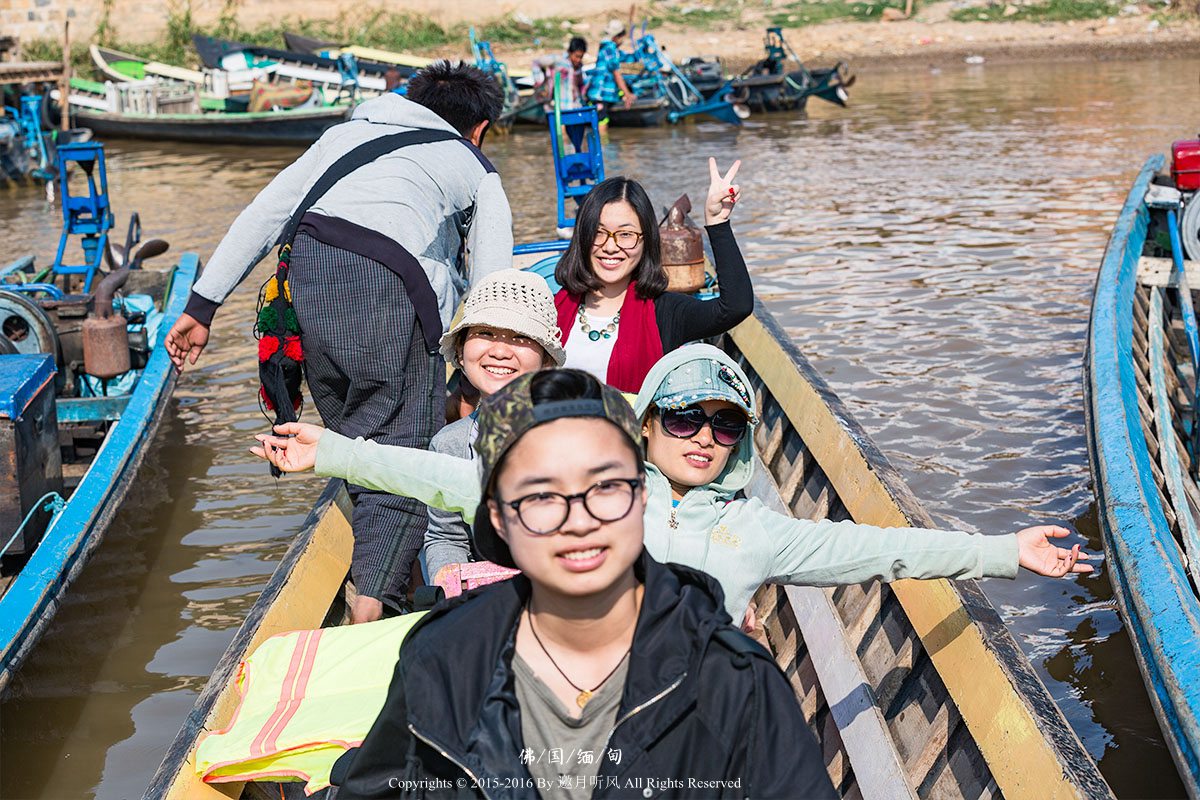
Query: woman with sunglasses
(616, 317)
(697, 415)
(595, 649)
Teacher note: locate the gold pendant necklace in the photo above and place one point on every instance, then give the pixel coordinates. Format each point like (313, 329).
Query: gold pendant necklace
(585, 695)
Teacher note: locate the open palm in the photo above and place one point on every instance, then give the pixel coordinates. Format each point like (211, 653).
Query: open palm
(293, 449)
(1037, 553)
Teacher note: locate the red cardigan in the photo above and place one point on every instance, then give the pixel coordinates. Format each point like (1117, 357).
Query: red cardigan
(638, 346)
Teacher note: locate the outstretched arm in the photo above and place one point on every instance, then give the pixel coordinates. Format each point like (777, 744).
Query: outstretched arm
(435, 479)
(828, 553)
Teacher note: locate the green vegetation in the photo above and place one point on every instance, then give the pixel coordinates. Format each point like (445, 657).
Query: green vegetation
(397, 31)
(692, 14)
(796, 15)
(1046, 11)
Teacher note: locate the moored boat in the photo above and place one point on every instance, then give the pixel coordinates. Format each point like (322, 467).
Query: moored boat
(914, 689)
(1140, 407)
(781, 82)
(336, 73)
(84, 382)
(162, 112)
(298, 127)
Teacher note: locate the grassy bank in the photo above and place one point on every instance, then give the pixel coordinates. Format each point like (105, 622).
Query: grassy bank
(397, 31)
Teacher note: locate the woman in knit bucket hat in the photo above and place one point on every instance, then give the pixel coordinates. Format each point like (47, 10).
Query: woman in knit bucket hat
(515, 302)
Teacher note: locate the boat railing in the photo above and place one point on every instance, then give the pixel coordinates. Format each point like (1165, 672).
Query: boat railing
(151, 96)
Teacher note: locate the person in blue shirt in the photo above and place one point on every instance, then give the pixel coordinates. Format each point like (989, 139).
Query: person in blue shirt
(607, 86)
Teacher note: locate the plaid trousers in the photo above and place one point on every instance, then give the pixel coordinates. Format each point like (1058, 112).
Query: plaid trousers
(370, 375)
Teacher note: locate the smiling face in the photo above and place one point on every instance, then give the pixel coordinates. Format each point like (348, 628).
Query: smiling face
(491, 357)
(585, 556)
(611, 264)
(691, 462)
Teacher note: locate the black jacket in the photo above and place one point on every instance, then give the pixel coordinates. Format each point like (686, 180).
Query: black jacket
(703, 704)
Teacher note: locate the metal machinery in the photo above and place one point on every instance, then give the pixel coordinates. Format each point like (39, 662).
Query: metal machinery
(660, 77)
(87, 216)
(23, 147)
(486, 60)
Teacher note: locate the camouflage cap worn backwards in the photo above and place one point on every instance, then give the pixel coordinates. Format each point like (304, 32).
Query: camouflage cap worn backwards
(508, 415)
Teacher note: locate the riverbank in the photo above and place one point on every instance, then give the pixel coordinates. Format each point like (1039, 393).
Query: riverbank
(867, 34)
(930, 38)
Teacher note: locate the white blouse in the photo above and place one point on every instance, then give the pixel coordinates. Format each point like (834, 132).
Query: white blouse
(589, 356)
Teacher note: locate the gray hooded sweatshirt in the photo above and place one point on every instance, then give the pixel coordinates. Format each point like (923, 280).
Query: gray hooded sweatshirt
(417, 196)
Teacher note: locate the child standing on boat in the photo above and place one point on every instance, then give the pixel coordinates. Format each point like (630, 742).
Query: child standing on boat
(375, 279)
(697, 418)
(595, 649)
(616, 316)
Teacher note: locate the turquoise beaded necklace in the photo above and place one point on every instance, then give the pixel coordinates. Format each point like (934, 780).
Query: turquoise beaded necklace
(606, 332)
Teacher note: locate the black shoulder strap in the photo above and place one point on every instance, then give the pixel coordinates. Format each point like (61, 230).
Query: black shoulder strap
(364, 154)
(739, 643)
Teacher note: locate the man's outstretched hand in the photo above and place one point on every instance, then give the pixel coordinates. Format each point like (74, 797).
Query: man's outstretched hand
(186, 340)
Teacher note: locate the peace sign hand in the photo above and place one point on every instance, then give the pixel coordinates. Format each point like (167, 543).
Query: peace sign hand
(723, 193)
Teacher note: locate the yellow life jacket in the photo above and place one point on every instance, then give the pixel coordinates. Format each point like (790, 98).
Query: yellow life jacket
(306, 698)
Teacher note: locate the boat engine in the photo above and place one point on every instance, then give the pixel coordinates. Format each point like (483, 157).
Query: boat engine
(1185, 171)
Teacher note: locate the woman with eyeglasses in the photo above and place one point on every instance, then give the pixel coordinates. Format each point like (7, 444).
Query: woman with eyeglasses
(598, 672)
(616, 316)
(697, 416)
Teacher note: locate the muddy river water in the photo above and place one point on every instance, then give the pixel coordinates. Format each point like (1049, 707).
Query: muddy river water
(931, 249)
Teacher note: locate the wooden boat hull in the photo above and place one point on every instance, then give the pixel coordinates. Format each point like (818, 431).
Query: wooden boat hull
(1137, 518)
(645, 113)
(914, 689)
(29, 604)
(298, 127)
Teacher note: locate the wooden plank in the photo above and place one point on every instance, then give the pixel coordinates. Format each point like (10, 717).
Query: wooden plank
(852, 705)
(1020, 731)
(1158, 272)
(14, 72)
(1168, 455)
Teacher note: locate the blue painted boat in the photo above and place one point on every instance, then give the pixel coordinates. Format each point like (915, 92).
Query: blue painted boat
(1140, 403)
(104, 439)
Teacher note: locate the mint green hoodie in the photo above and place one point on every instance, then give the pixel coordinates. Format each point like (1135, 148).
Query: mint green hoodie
(740, 542)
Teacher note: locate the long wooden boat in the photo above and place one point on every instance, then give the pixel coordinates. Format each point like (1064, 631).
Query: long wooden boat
(646, 112)
(106, 439)
(120, 66)
(1139, 400)
(914, 689)
(298, 126)
(227, 55)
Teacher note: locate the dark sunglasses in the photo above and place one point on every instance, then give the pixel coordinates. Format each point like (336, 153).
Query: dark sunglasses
(728, 425)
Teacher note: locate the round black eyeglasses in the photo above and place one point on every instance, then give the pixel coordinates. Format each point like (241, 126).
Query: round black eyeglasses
(544, 513)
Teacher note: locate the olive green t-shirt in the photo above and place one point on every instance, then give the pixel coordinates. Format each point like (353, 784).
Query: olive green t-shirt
(563, 754)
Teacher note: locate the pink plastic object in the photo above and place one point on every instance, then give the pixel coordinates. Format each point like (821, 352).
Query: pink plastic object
(458, 578)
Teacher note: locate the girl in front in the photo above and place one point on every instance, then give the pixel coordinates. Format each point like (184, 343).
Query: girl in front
(697, 417)
(595, 648)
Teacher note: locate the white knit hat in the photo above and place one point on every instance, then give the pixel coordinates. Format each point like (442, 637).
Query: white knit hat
(512, 300)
